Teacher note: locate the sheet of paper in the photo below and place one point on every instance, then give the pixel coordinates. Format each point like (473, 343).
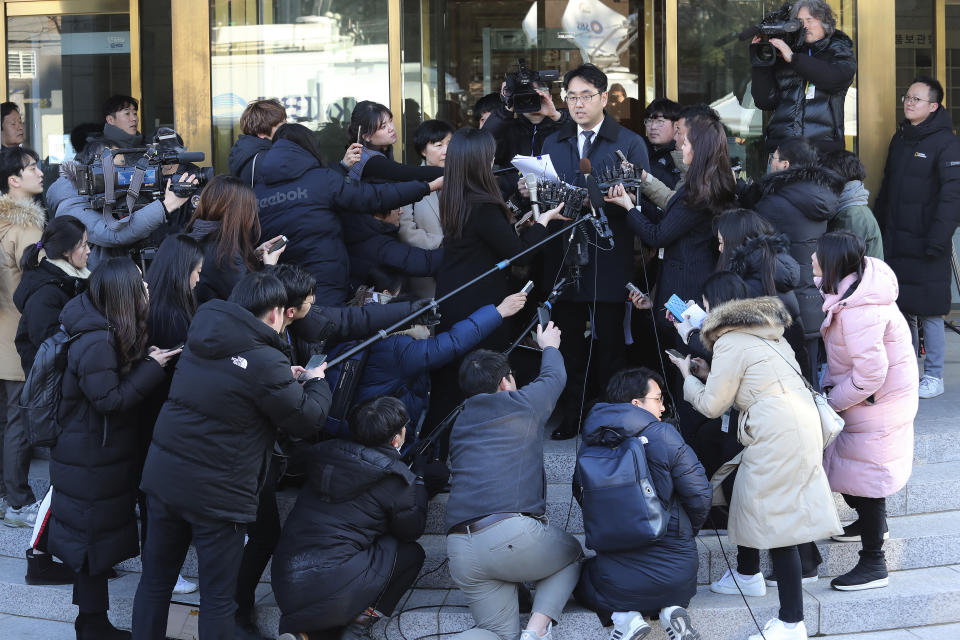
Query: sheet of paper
(540, 166)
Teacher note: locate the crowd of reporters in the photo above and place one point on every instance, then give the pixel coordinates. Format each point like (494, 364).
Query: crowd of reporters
(189, 397)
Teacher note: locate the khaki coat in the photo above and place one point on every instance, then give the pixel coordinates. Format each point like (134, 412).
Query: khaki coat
(21, 224)
(781, 495)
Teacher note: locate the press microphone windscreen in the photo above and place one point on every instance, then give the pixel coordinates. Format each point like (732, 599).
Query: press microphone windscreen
(585, 167)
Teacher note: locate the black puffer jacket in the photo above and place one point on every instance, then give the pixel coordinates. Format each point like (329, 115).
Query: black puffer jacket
(648, 578)
(516, 135)
(662, 164)
(747, 262)
(242, 154)
(918, 209)
(799, 202)
(232, 393)
(339, 544)
(217, 279)
(39, 298)
(94, 463)
(373, 243)
(825, 68)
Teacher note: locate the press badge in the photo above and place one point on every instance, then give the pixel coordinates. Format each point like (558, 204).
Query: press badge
(811, 91)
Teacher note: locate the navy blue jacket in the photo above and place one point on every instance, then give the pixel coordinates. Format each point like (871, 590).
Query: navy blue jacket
(649, 578)
(611, 270)
(373, 243)
(242, 153)
(300, 199)
(402, 360)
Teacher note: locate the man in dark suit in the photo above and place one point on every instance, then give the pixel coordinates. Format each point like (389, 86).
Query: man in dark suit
(600, 294)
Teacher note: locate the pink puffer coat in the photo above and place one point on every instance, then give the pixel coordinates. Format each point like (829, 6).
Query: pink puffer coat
(872, 368)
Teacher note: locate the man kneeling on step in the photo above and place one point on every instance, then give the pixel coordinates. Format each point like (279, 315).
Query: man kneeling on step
(497, 531)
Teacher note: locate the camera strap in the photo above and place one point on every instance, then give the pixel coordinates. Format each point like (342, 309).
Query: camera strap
(136, 181)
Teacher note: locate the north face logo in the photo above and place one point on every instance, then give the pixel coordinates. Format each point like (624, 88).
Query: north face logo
(239, 361)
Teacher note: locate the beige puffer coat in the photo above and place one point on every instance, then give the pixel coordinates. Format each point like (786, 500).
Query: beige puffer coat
(21, 224)
(781, 496)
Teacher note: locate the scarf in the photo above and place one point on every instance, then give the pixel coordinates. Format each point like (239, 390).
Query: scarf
(122, 138)
(69, 269)
(854, 193)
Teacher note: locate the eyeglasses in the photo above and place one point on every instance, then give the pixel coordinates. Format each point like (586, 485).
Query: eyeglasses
(587, 99)
(657, 121)
(658, 398)
(912, 100)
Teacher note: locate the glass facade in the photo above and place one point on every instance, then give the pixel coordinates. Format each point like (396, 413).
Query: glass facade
(914, 44)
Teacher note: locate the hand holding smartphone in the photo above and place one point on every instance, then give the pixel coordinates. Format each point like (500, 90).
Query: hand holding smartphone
(315, 361)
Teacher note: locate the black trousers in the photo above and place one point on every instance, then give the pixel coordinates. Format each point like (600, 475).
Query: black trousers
(872, 515)
(406, 568)
(606, 323)
(748, 560)
(263, 536)
(90, 592)
(219, 548)
(786, 565)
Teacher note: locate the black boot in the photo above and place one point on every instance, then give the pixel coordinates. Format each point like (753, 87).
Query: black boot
(245, 629)
(96, 626)
(870, 573)
(43, 569)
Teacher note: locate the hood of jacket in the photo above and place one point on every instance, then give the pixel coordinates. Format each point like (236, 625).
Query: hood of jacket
(46, 273)
(79, 315)
(775, 182)
(937, 122)
(17, 212)
(878, 286)
(747, 259)
(223, 329)
(608, 424)
(343, 470)
(854, 194)
(285, 161)
(765, 317)
(794, 184)
(360, 227)
(201, 230)
(243, 151)
(68, 170)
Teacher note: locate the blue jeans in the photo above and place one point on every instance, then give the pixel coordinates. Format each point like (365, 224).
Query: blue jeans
(934, 342)
(219, 552)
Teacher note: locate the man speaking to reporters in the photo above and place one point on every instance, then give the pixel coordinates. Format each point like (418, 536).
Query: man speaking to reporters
(597, 136)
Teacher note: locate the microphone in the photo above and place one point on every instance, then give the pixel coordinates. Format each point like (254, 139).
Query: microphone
(600, 223)
(531, 180)
(190, 156)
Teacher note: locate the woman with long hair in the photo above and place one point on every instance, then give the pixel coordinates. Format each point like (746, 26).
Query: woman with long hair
(300, 198)
(872, 380)
(173, 277)
(226, 225)
(370, 155)
(93, 468)
(755, 372)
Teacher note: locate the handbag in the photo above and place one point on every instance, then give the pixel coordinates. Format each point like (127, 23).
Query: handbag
(831, 424)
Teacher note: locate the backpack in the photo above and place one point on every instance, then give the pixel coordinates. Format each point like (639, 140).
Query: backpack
(344, 378)
(42, 390)
(621, 509)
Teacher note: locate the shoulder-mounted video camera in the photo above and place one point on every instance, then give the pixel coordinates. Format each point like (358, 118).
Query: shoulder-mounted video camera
(124, 188)
(777, 24)
(521, 92)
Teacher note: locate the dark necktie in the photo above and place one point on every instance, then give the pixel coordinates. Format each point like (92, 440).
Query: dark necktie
(587, 139)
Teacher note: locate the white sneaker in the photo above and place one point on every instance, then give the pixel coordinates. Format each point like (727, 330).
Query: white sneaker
(631, 627)
(184, 586)
(676, 624)
(748, 585)
(25, 516)
(530, 634)
(776, 630)
(930, 387)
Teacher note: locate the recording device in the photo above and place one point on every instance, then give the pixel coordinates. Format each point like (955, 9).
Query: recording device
(675, 353)
(777, 24)
(279, 244)
(575, 199)
(543, 315)
(622, 157)
(315, 361)
(600, 222)
(527, 288)
(531, 181)
(612, 176)
(119, 188)
(632, 289)
(521, 94)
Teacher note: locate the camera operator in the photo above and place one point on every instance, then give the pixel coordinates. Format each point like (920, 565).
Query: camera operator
(116, 237)
(121, 119)
(524, 133)
(806, 87)
(600, 295)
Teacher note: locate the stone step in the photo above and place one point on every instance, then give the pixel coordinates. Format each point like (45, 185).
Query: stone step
(932, 632)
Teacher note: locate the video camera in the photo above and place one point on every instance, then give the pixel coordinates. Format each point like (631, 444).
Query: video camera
(130, 188)
(777, 24)
(521, 95)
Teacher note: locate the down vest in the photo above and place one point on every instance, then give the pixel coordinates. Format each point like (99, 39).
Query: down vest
(825, 69)
(94, 464)
(655, 576)
(918, 209)
(231, 394)
(799, 202)
(872, 369)
(339, 544)
(300, 199)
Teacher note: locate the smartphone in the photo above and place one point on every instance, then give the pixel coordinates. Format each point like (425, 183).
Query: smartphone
(676, 306)
(632, 288)
(543, 316)
(527, 288)
(279, 244)
(675, 353)
(316, 360)
(179, 346)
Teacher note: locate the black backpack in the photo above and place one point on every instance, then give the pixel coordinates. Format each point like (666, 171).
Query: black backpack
(42, 390)
(621, 509)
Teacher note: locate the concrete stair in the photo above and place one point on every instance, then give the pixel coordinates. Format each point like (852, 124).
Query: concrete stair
(923, 556)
